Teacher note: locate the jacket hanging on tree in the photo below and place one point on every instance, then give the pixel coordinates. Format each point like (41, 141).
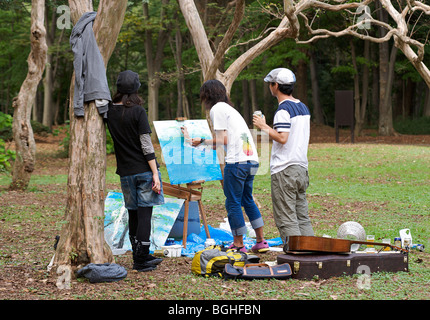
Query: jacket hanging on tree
(90, 73)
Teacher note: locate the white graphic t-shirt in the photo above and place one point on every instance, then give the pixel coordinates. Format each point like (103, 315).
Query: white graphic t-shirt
(240, 145)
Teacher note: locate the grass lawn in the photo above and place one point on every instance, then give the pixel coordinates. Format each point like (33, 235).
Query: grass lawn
(383, 187)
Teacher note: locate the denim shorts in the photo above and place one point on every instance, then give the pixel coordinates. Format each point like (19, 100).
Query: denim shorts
(137, 191)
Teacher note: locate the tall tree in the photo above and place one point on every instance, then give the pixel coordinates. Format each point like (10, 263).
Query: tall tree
(82, 236)
(386, 78)
(176, 44)
(22, 130)
(154, 56)
(360, 100)
(211, 62)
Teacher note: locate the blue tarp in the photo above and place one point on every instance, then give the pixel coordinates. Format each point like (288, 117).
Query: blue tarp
(196, 242)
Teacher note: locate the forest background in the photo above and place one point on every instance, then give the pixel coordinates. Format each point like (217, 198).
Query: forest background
(155, 42)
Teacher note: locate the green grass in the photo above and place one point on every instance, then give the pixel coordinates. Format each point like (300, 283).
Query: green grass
(395, 178)
(383, 187)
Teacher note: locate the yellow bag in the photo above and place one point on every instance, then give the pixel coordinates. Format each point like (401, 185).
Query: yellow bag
(211, 260)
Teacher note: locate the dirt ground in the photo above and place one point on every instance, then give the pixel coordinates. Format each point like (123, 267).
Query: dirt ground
(27, 279)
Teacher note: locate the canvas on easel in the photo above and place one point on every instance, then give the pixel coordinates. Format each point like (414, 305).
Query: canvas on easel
(184, 163)
(187, 164)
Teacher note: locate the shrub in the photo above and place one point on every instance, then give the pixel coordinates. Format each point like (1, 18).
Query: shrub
(419, 126)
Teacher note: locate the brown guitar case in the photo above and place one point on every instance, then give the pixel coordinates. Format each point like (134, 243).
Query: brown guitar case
(326, 265)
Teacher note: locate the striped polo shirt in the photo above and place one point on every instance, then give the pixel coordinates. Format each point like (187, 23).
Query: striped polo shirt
(293, 117)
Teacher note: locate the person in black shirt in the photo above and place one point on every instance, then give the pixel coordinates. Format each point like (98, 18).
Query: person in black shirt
(137, 165)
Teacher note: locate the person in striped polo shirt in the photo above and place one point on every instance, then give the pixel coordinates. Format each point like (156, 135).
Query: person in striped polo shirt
(289, 161)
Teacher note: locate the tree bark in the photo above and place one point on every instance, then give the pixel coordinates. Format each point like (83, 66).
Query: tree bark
(21, 127)
(301, 87)
(82, 236)
(360, 104)
(318, 117)
(245, 101)
(154, 61)
(426, 110)
(386, 72)
(183, 108)
(48, 80)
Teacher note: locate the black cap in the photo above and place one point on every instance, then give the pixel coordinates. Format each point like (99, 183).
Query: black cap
(128, 82)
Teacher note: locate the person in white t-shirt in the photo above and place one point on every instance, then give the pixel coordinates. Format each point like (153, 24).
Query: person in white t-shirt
(289, 161)
(241, 163)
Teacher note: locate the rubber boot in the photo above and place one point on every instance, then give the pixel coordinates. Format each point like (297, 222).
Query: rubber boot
(142, 260)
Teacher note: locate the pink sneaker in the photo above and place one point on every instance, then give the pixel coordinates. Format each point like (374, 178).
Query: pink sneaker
(241, 249)
(260, 247)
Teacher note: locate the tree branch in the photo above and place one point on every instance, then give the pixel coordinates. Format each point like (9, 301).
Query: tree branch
(400, 32)
(222, 47)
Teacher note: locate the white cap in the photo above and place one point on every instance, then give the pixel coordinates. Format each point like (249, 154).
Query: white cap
(281, 76)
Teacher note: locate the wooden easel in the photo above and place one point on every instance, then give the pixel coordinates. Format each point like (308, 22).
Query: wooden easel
(192, 192)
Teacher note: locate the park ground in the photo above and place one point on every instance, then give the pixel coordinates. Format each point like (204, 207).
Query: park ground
(30, 220)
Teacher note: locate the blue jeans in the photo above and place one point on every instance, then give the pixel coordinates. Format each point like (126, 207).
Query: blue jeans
(238, 184)
(137, 191)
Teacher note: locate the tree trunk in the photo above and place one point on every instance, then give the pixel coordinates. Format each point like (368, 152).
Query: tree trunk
(386, 75)
(183, 108)
(48, 80)
(82, 237)
(154, 61)
(301, 88)
(375, 86)
(245, 101)
(360, 104)
(253, 95)
(358, 123)
(365, 86)
(22, 130)
(47, 94)
(426, 110)
(318, 117)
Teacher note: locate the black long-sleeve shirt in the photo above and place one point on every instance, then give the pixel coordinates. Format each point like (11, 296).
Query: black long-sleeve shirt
(129, 128)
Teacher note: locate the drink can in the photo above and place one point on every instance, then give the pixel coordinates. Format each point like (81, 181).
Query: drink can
(398, 242)
(258, 113)
(159, 253)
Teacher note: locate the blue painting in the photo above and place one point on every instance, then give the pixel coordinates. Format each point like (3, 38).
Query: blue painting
(116, 222)
(184, 162)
